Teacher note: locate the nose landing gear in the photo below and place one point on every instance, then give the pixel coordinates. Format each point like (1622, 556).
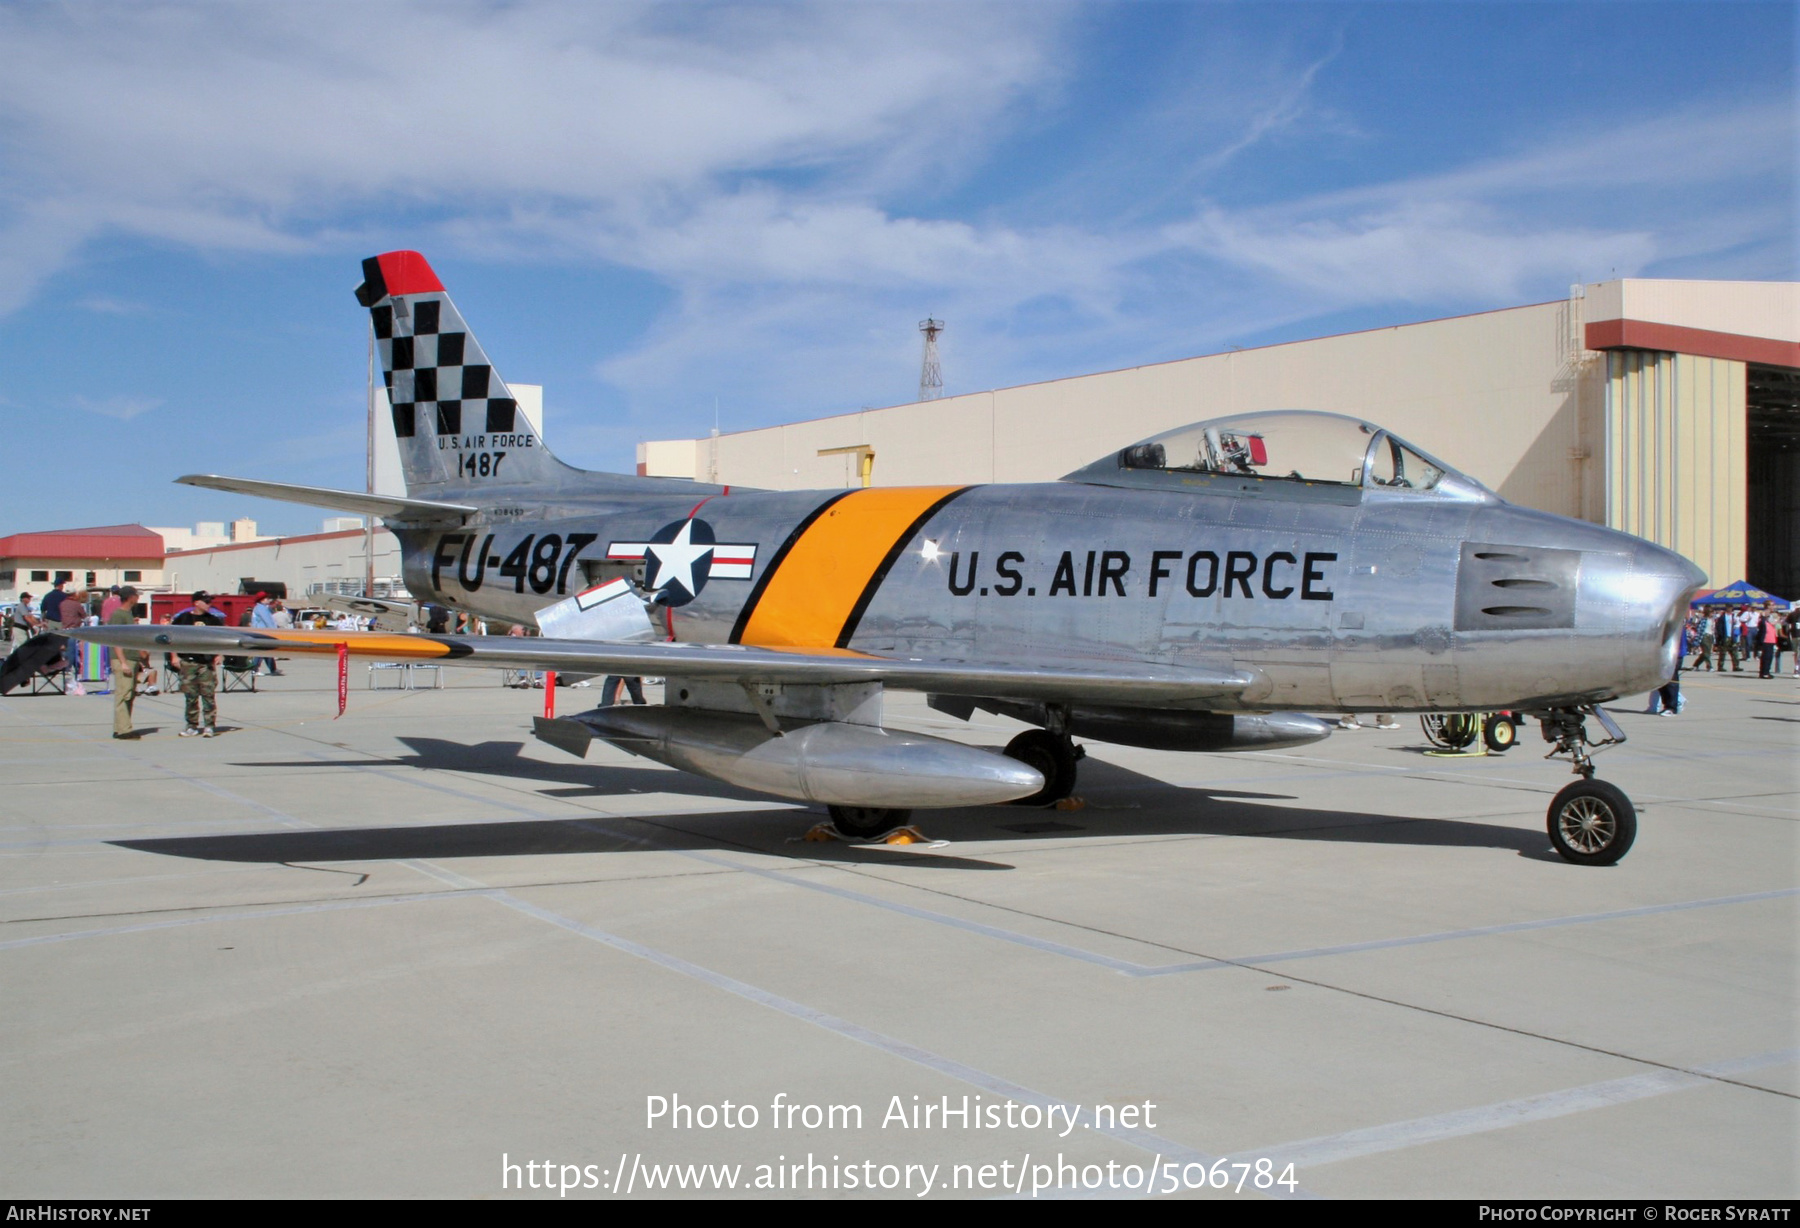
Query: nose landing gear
(1591, 822)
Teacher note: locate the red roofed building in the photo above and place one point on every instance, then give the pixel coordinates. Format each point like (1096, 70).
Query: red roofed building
(86, 558)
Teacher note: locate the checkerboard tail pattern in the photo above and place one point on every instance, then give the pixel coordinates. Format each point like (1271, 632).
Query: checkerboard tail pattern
(457, 423)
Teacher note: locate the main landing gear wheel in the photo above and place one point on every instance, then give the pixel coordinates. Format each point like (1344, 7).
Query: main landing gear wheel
(867, 822)
(1055, 757)
(1499, 733)
(1592, 823)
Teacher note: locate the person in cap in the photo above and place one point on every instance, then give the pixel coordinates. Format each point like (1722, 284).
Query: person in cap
(262, 617)
(128, 664)
(50, 609)
(24, 616)
(198, 672)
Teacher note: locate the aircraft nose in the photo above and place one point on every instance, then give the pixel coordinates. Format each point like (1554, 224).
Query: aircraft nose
(1670, 579)
(1647, 589)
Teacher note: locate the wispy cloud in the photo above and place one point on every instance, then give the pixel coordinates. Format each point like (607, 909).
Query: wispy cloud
(120, 408)
(781, 170)
(1566, 208)
(253, 127)
(103, 304)
(766, 278)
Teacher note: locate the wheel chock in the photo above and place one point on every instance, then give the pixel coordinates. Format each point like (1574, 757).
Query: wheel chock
(1071, 803)
(824, 833)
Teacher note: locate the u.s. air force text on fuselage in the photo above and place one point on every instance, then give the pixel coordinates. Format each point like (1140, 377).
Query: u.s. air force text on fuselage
(1241, 569)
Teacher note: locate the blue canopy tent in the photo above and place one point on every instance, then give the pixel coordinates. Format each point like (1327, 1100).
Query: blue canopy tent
(1738, 592)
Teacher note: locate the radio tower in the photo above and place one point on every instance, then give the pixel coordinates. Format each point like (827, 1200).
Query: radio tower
(931, 376)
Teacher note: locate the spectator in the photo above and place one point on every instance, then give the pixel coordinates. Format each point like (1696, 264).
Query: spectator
(1668, 696)
(51, 609)
(1703, 630)
(128, 665)
(24, 616)
(74, 613)
(609, 690)
(1768, 634)
(1725, 635)
(262, 616)
(198, 671)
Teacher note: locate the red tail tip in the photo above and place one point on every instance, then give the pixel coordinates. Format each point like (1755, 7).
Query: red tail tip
(407, 273)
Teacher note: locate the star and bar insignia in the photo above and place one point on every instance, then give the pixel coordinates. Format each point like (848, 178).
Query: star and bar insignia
(682, 556)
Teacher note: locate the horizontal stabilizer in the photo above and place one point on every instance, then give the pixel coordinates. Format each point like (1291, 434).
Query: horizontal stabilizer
(1069, 679)
(389, 507)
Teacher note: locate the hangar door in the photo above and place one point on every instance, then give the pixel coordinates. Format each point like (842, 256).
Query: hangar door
(1774, 480)
(1676, 455)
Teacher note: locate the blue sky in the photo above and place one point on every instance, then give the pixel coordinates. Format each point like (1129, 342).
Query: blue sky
(656, 209)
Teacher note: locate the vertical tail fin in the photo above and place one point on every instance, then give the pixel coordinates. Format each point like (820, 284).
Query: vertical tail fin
(458, 425)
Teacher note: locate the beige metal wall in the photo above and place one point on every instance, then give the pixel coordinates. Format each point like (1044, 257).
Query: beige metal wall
(1508, 396)
(295, 561)
(1747, 308)
(1677, 471)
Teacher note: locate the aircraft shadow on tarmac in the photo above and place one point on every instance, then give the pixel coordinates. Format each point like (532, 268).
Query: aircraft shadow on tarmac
(1120, 802)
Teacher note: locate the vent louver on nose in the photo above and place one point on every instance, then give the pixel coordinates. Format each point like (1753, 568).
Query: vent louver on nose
(1516, 588)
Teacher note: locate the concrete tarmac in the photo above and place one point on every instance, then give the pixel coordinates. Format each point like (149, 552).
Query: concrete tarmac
(414, 952)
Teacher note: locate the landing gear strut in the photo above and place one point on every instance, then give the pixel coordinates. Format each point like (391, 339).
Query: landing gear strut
(1591, 823)
(1055, 755)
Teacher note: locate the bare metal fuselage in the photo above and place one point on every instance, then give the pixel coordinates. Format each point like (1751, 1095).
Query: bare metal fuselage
(1337, 598)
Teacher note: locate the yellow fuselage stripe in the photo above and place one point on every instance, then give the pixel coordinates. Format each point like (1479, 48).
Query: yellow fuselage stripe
(808, 600)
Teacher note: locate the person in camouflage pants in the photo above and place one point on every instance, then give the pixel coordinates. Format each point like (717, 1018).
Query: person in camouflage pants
(199, 675)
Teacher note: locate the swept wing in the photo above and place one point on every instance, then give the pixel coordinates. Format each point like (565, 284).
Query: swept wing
(1070, 679)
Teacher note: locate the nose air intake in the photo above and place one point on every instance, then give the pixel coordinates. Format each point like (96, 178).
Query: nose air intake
(1516, 588)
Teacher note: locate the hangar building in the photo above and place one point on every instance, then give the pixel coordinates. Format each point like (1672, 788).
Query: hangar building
(1669, 409)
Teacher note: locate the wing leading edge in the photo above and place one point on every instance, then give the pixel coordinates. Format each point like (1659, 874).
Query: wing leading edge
(1070, 679)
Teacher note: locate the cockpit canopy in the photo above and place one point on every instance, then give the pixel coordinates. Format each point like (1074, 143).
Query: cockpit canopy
(1290, 446)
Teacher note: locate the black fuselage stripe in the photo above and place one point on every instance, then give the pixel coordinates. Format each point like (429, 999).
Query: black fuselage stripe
(762, 581)
(887, 563)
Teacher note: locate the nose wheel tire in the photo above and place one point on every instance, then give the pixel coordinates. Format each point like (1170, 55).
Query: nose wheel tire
(1499, 733)
(1053, 757)
(1592, 823)
(867, 822)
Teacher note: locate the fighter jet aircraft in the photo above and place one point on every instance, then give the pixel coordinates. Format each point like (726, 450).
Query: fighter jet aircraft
(1209, 589)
